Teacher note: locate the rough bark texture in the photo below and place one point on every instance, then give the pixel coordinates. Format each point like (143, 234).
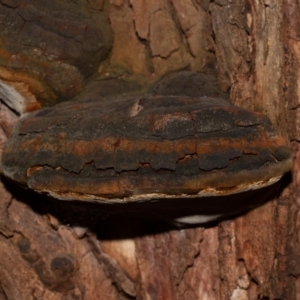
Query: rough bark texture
(53, 249)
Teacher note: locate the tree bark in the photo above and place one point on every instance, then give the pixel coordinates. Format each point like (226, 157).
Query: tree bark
(53, 249)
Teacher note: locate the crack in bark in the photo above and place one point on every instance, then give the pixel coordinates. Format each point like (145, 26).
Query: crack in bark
(9, 6)
(119, 278)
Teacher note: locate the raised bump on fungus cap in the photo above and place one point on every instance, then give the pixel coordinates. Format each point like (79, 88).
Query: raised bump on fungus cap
(129, 150)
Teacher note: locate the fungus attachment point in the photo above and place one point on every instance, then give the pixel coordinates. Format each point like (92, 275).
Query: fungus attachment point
(129, 150)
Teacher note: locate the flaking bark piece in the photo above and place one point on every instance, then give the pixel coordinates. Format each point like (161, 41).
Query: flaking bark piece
(155, 147)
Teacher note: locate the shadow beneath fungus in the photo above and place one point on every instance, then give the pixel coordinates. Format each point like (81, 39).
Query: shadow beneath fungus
(136, 219)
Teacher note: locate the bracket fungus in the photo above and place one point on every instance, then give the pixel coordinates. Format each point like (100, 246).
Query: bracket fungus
(145, 150)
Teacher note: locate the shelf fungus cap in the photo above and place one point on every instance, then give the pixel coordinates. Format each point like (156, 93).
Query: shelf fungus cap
(129, 150)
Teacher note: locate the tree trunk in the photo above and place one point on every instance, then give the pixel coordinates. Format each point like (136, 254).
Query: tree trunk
(53, 249)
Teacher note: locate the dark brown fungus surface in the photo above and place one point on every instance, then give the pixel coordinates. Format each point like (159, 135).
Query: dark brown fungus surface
(156, 147)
